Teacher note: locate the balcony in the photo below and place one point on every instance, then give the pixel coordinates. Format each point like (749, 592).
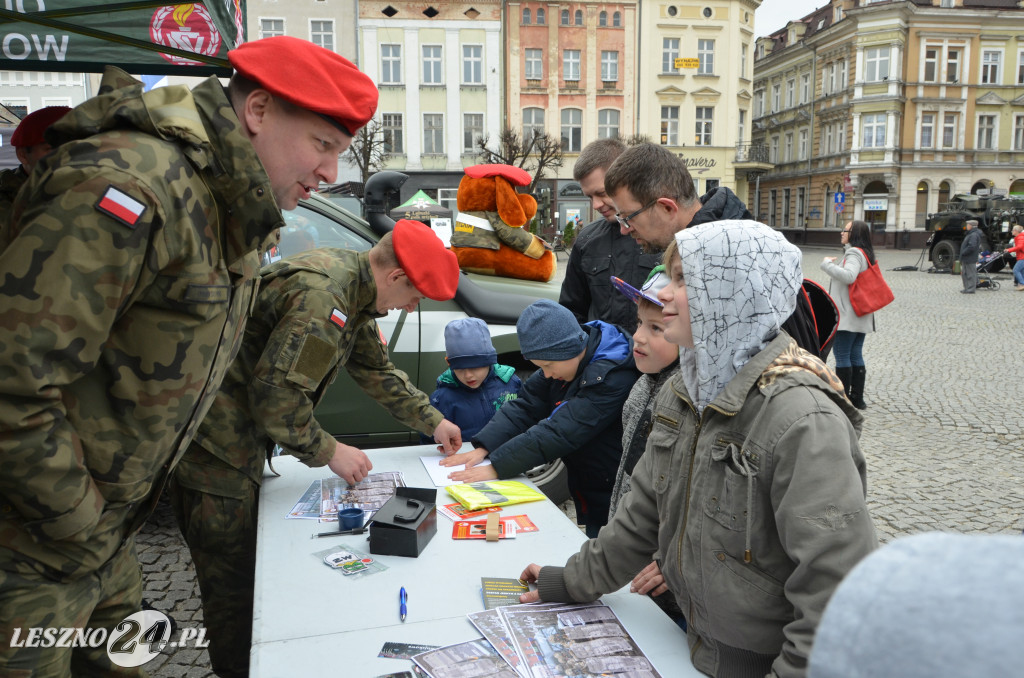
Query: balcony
(752, 154)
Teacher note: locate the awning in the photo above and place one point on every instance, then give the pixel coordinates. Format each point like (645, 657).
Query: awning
(420, 207)
(152, 38)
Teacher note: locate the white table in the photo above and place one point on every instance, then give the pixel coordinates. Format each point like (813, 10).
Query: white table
(310, 620)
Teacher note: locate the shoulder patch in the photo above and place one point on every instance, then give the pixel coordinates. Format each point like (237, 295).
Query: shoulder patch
(120, 206)
(338, 318)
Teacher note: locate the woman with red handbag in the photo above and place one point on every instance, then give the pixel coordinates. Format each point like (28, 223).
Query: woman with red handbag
(858, 256)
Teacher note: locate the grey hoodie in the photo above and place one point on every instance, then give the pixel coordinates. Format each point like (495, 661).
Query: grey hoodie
(756, 505)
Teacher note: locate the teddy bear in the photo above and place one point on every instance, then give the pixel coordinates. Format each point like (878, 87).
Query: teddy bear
(489, 235)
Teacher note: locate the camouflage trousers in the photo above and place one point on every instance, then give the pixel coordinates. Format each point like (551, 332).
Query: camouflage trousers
(216, 508)
(98, 600)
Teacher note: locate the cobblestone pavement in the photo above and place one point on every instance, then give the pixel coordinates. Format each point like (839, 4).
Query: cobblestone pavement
(943, 433)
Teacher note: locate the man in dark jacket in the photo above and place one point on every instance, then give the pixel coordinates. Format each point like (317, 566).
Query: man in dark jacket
(656, 198)
(970, 248)
(569, 409)
(601, 250)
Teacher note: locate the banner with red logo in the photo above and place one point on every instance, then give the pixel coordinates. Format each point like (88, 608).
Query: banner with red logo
(85, 36)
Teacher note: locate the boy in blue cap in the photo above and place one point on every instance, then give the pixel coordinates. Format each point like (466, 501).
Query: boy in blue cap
(570, 409)
(474, 386)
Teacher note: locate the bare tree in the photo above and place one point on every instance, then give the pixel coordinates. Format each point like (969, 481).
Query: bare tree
(636, 139)
(536, 155)
(369, 149)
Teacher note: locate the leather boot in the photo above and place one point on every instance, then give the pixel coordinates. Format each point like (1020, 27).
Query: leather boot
(845, 375)
(857, 387)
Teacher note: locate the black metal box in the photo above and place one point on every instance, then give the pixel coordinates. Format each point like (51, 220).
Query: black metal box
(405, 524)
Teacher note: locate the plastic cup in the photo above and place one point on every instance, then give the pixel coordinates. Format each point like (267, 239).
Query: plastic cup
(350, 519)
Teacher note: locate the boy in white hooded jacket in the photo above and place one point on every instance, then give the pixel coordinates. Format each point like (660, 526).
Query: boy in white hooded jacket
(752, 487)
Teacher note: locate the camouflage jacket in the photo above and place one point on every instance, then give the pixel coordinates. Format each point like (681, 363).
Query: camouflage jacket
(10, 181)
(314, 314)
(118, 321)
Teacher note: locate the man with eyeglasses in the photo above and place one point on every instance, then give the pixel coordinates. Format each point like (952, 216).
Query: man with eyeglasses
(655, 198)
(601, 250)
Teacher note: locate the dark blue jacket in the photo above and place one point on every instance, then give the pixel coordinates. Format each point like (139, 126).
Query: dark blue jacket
(471, 408)
(578, 421)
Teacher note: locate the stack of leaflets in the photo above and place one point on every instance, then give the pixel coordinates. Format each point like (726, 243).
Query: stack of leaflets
(323, 498)
(542, 640)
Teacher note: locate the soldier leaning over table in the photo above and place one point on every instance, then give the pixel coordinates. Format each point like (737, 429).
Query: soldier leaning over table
(130, 271)
(315, 313)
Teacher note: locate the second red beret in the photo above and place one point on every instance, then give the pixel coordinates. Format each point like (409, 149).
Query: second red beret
(30, 129)
(431, 267)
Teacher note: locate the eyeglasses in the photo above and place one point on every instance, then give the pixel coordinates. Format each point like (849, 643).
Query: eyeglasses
(847, 230)
(624, 220)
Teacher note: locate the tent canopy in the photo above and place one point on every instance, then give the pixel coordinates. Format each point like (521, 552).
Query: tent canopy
(420, 207)
(152, 38)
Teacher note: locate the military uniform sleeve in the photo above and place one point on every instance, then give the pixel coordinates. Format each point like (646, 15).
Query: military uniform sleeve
(371, 368)
(67, 273)
(293, 371)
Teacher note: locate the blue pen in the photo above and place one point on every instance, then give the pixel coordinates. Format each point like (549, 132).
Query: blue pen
(402, 598)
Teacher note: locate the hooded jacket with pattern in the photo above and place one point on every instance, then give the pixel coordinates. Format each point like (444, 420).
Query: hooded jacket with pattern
(807, 323)
(752, 488)
(578, 421)
(314, 315)
(116, 331)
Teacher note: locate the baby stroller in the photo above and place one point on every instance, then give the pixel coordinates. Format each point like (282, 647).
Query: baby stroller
(989, 263)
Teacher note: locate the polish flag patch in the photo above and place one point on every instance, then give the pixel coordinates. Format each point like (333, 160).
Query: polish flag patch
(338, 318)
(121, 206)
(380, 333)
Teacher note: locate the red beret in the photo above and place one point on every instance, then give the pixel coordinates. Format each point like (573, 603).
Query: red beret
(516, 176)
(432, 268)
(30, 129)
(310, 77)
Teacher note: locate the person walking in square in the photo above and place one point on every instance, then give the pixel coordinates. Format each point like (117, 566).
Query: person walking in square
(858, 255)
(970, 249)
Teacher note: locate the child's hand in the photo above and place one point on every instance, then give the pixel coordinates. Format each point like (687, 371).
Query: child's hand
(649, 581)
(474, 475)
(530, 575)
(471, 458)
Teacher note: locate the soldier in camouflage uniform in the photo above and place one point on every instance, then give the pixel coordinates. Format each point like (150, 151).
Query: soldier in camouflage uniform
(314, 315)
(29, 146)
(132, 267)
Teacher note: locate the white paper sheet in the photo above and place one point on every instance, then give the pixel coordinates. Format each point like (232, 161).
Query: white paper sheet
(439, 474)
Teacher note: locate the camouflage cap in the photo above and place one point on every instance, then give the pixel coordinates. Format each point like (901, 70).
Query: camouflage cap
(310, 77)
(432, 268)
(32, 126)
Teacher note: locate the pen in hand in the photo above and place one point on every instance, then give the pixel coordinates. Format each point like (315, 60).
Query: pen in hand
(402, 598)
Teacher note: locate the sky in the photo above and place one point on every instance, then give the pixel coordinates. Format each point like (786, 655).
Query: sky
(775, 14)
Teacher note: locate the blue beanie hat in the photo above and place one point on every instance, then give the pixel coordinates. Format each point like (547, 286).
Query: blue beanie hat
(549, 331)
(467, 344)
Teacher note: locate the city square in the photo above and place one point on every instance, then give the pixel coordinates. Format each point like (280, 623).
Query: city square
(941, 433)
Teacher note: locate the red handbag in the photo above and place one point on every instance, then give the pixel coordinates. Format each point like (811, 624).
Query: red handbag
(869, 292)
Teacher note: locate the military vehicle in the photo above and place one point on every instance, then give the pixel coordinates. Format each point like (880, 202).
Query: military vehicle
(996, 214)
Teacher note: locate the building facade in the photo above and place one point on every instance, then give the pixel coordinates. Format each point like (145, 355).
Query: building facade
(438, 69)
(694, 87)
(910, 104)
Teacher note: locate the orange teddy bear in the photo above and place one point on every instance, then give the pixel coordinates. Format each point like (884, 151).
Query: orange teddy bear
(489, 237)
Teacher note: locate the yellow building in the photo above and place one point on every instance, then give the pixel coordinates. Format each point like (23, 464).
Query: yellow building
(694, 87)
